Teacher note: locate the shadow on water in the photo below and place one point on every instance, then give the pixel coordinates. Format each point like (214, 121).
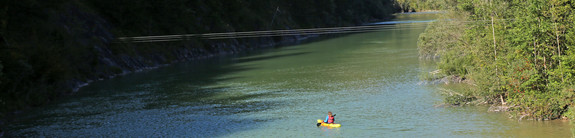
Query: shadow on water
(178, 100)
(251, 59)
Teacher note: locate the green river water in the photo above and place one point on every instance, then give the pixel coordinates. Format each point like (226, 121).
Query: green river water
(369, 80)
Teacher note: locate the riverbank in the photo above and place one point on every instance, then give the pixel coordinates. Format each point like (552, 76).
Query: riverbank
(516, 57)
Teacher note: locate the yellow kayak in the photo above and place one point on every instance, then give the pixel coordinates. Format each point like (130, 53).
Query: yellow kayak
(327, 125)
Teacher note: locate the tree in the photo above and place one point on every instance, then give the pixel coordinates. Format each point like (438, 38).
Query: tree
(516, 52)
(1, 72)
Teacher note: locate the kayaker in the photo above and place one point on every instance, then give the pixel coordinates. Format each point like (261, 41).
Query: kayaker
(330, 119)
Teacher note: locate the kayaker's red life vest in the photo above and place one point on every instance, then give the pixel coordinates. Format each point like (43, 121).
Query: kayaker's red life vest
(331, 119)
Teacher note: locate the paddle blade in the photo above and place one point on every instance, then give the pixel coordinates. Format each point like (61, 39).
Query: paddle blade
(318, 124)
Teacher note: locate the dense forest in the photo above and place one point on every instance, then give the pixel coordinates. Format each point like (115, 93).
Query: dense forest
(518, 55)
(50, 48)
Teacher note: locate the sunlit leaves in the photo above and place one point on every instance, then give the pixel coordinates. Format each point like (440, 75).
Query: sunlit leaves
(526, 56)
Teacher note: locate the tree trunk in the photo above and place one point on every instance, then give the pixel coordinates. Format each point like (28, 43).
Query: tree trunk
(494, 45)
(501, 98)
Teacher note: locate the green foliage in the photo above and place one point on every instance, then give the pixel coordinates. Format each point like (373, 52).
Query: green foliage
(455, 64)
(570, 113)
(516, 52)
(424, 5)
(435, 41)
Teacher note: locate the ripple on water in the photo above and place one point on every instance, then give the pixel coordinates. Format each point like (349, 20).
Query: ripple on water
(369, 80)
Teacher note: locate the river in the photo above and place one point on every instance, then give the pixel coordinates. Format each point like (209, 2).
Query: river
(369, 80)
